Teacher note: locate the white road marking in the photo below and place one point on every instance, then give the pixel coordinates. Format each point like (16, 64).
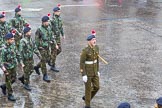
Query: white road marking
(32, 9)
(113, 5)
(25, 9)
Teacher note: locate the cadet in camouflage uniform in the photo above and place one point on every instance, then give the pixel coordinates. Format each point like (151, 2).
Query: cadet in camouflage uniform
(57, 28)
(44, 38)
(18, 23)
(4, 28)
(89, 68)
(10, 56)
(158, 103)
(27, 49)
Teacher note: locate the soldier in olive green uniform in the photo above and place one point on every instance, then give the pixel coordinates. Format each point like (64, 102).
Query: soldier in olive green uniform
(89, 68)
(27, 49)
(57, 28)
(158, 103)
(10, 56)
(4, 28)
(44, 38)
(18, 23)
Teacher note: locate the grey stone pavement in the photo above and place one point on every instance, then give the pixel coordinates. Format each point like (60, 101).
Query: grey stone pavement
(130, 39)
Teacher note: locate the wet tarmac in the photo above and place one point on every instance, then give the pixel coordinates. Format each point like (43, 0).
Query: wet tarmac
(130, 39)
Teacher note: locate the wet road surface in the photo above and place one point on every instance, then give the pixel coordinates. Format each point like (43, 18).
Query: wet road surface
(130, 39)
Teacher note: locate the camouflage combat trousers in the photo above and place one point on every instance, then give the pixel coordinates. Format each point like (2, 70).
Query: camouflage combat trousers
(54, 53)
(28, 70)
(91, 88)
(45, 58)
(10, 79)
(17, 41)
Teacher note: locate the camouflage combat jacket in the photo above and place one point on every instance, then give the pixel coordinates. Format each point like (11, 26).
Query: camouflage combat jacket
(27, 48)
(18, 22)
(4, 29)
(44, 37)
(57, 27)
(89, 63)
(10, 56)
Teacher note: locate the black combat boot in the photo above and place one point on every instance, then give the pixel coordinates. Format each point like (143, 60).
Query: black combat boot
(3, 87)
(46, 78)
(11, 97)
(49, 63)
(27, 87)
(21, 79)
(53, 68)
(36, 68)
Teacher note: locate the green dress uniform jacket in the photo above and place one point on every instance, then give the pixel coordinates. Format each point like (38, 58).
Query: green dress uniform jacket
(89, 63)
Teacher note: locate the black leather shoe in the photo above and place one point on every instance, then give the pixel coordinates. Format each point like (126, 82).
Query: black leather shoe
(83, 98)
(3, 87)
(36, 68)
(46, 78)
(21, 79)
(11, 97)
(27, 87)
(53, 68)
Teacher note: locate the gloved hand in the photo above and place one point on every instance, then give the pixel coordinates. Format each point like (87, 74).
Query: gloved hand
(98, 74)
(85, 78)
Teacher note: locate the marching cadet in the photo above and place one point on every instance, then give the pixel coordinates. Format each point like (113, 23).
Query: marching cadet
(124, 105)
(27, 48)
(10, 56)
(158, 103)
(43, 38)
(18, 23)
(89, 68)
(4, 28)
(57, 28)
